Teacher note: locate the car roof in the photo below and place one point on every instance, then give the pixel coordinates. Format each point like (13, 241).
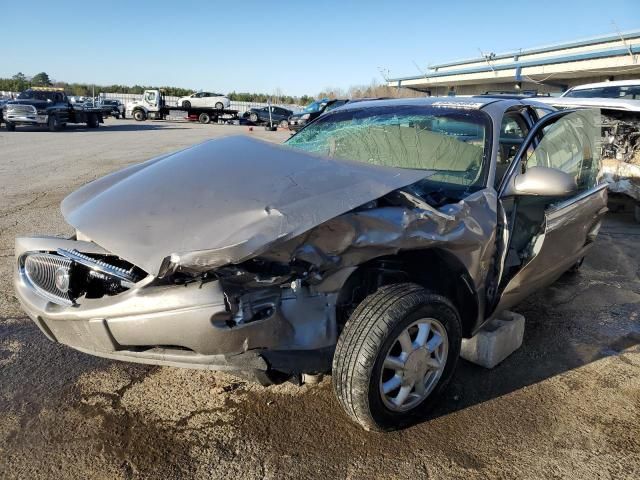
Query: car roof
(470, 103)
(613, 83)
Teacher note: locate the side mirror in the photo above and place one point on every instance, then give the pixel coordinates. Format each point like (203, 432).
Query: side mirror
(542, 181)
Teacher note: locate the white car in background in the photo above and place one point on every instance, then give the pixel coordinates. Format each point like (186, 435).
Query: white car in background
(620, 89)
(204, 99)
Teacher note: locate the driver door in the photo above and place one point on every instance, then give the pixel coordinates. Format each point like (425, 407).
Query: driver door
(544, 232)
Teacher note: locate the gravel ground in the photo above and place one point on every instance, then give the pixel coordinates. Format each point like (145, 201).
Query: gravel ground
(566, 405)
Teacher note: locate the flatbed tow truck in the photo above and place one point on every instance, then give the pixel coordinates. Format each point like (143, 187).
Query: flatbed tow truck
(154, 107)
(47, 106)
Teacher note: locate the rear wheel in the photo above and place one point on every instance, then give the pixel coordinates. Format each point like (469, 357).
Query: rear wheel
(186, 104)
(53, 123)
(204, 118)
(219, 106)
(92, 121)
(11, 127)
(139, 115)
(396, 354)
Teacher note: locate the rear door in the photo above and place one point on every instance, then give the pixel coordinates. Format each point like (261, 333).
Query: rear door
(545, 235)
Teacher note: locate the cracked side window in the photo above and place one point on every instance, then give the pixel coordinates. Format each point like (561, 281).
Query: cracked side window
(572, 144)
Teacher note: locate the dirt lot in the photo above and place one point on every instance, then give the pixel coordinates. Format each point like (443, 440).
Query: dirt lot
(566, 405)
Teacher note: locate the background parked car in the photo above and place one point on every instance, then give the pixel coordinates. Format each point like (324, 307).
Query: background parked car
(313, 111)
(205, 99)
(279, 116)
(622, 89)
(115, 108)
(2, 102)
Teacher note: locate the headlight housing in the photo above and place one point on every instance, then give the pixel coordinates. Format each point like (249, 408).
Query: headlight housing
(305, 116)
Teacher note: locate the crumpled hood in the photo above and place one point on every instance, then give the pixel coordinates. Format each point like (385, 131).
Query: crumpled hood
(221, 202)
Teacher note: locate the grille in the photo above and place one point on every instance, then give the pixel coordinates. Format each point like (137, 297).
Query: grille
(41, 268)
(21, 110)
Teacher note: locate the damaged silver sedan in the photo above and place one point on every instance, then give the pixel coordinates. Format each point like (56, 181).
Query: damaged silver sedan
(367, 246)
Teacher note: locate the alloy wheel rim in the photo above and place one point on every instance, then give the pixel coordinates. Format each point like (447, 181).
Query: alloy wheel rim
(414, 364)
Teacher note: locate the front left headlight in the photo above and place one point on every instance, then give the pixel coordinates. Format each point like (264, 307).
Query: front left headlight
(305, 116)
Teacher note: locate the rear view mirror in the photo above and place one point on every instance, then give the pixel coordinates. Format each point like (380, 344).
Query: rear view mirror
(542, 181)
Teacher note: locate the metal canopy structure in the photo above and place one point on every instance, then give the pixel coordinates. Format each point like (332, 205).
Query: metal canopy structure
(547, 69)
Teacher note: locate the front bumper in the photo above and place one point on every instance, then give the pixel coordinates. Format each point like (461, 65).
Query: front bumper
(27, 119)
(176, 325)
(296, 124)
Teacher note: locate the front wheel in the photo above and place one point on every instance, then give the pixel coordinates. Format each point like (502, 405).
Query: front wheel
(219, 106)
(284, 124)
(11, 127)
(53, 123)
(139, 116)
(253, 117)
(186, 105)
(204, 118)
(395, 355)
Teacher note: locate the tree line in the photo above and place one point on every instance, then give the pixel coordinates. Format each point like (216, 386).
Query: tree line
(20, 82)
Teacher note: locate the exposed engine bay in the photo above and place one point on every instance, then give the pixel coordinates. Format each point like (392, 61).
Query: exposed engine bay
(621, 137)
(621, 152)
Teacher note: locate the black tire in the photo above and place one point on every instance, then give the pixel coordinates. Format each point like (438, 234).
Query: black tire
(123, 116)
(204, 118)
(284, 124)
(370, 333)
(253, 117)
(11, 127)
(92, 121)
(186, 104)
(139, 115)
(53, 122)
(575, 268)
(219, 106)
(117, 116)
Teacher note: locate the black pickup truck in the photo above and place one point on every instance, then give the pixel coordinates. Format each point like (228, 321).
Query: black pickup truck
(47, 106)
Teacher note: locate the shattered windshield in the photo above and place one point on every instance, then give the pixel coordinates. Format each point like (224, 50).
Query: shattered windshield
(453, 143)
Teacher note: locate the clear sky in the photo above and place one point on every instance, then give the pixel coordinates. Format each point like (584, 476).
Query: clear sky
(298, 46)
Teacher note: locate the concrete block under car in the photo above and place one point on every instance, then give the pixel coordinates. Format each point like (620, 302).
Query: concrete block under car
(495, 341)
